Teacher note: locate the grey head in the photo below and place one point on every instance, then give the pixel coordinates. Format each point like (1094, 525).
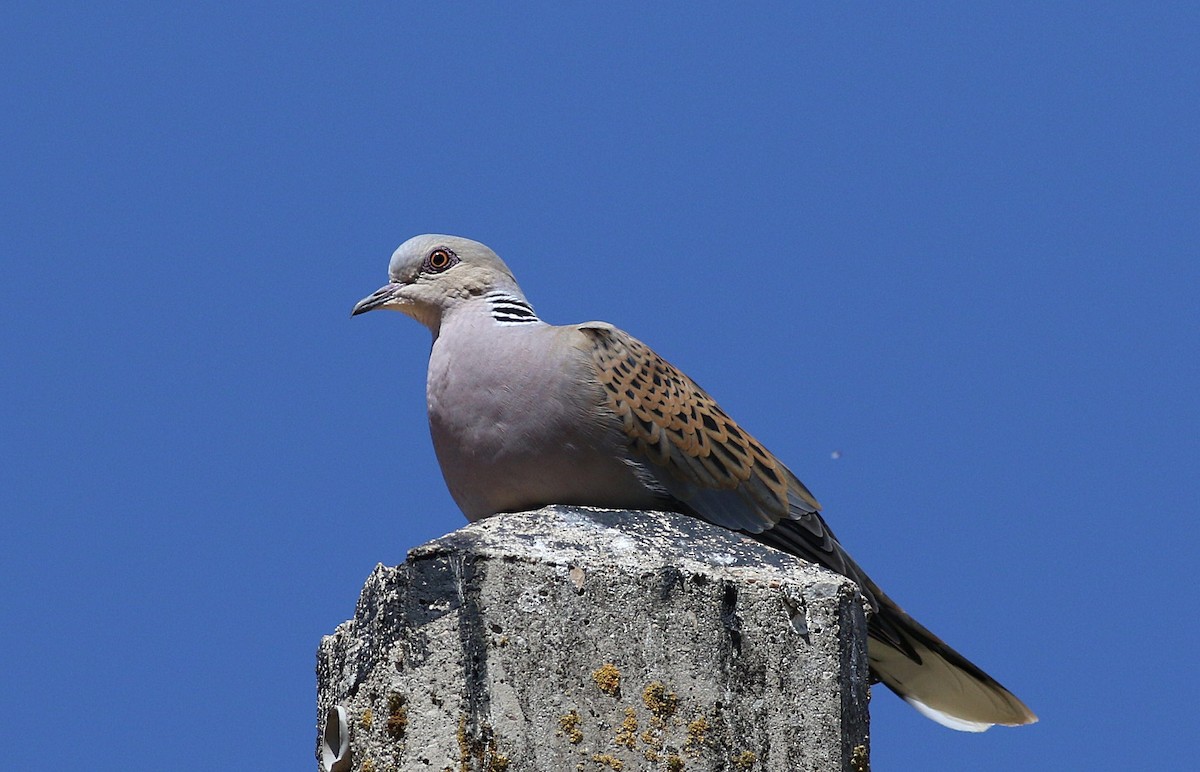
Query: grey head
(431, 274)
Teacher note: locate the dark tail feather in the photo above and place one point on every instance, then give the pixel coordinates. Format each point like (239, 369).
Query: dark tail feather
(935, 679)
(914, 663)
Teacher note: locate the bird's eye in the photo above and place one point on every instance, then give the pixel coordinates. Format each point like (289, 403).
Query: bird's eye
(440, 259)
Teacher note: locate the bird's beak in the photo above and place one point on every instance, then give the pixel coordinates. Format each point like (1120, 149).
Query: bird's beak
(380, 298)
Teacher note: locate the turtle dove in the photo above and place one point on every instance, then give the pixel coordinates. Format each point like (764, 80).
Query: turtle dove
(525, 414)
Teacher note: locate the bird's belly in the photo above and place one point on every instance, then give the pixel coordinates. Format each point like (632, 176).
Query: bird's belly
(524, 446)
(511, 484)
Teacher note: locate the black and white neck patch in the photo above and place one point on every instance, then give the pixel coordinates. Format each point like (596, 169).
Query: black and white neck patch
(508, 309)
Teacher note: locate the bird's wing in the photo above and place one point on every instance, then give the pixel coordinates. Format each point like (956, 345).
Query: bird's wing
(710, 464)
(719, 472)
(699, 454)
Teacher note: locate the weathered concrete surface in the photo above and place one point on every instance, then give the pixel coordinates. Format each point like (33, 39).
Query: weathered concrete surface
(581, 639)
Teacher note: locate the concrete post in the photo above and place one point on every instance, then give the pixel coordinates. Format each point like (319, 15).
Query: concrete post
(579, 639)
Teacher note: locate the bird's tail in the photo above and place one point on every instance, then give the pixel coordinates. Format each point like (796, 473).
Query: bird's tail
(913, 662)
(932, 677)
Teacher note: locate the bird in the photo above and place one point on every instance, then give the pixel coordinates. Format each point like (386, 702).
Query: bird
(525, 414)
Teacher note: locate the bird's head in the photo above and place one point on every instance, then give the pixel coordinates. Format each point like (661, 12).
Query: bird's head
(431, 273)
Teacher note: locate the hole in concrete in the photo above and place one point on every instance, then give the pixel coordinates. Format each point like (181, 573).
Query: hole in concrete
(335, 749)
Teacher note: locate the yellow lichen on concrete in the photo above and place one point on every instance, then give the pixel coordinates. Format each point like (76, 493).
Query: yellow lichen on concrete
(482, 749)
(366, 719)
(570, 727)
(860, 760)
(608, 760)
(367, 766)
(607, 678)
(745, 760)
(627, 733)
(464, 745)
(397, 721)
(697, 732)
(674, 764)
(659, 701)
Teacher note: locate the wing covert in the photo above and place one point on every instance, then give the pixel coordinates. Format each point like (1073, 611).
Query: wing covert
(699, 454)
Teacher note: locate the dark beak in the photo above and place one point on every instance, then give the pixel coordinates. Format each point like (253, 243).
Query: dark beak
(377, 299)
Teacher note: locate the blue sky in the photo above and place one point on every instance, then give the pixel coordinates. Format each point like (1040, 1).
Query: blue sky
(956, 243)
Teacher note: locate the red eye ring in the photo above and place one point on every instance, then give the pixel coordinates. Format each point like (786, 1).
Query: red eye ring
(440, 259)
